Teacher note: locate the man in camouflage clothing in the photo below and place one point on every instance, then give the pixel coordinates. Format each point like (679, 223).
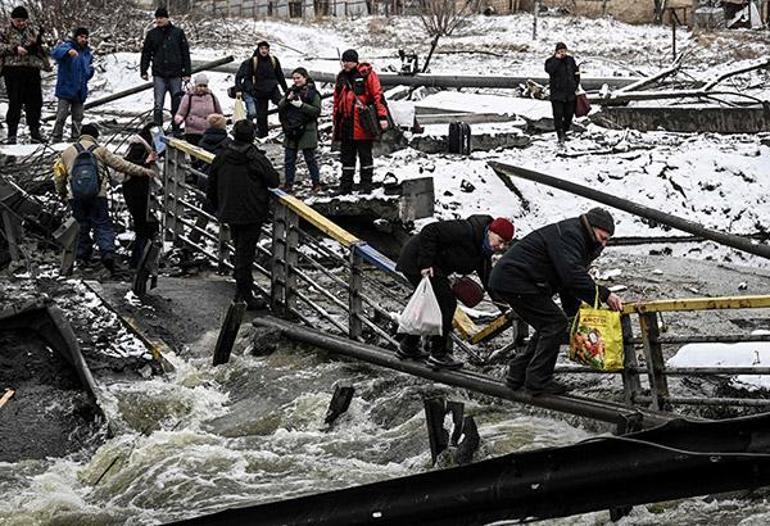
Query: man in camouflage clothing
(23, 56)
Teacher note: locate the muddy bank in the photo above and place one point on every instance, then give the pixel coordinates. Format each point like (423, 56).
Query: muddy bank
(50, 415)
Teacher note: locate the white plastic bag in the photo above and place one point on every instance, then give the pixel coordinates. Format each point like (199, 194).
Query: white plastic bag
(239, 110)
(422, 315)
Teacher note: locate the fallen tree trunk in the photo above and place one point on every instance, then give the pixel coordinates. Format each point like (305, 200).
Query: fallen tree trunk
(147, 85)
(673, 221)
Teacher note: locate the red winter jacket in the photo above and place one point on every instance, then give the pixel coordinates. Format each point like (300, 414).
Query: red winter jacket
(345, 100)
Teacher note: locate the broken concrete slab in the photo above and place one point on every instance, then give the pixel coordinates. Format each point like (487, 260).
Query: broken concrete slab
(696, 119)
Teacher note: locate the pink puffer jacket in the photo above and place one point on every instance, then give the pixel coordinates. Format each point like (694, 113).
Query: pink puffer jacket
(195, 109)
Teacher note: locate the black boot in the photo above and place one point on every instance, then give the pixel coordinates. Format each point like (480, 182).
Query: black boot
(440, 357)
(409, 348)
(36, 136)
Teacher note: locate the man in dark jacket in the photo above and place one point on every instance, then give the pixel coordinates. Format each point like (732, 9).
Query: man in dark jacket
(166, 46)
(258, 79)
(443, 248)
(22, 56)
(564, 79)
(75, 70)
(239, 183)
(553, 259)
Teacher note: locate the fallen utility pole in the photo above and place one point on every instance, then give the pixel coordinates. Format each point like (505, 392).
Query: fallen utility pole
(147, 85)
(677, 460)
(601, 410)
(673, 221)
(454, 81)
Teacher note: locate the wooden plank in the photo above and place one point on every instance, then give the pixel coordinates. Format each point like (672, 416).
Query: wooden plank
(464, 325)
(495, 326)
(317, 220)
(698, 304)
(7, 396)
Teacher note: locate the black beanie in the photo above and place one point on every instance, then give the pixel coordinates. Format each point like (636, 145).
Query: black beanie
(90, 129)
(20, 12)
(263, 43)
(161, 12)
(350, 55)
(243, 131)
(600, 218)
(80, 31)
(561, 45)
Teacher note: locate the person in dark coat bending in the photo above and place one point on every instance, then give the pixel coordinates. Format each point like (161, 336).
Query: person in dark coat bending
(553, 259)
(239, 182)
(564, 79)
(443, 248)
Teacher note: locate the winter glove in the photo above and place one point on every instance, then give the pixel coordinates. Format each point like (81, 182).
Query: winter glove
(297, 103)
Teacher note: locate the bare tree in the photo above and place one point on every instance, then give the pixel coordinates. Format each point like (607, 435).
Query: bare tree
(442, 17)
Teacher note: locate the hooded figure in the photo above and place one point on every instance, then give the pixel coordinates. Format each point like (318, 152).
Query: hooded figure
(136, 192)
(240, 180)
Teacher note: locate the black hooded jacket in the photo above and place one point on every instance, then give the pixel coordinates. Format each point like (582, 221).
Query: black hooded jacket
(259, 76)
(239, 180)
(449, 247)
(553, 259)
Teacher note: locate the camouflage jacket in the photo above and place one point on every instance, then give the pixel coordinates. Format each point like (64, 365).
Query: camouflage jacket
(11, 38)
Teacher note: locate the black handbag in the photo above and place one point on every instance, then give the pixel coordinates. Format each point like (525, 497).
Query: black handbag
(370, 121)
(294, 133)
(367, 114)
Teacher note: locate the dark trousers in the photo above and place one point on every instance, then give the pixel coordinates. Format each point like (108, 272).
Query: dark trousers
(350, 149)
(290, 164)
(245, 238)
(92, 214)
(563, 111)
(261, 103)
(23, 87)
(136, 192)
(446, 302)
(534, 366)
(193, 138)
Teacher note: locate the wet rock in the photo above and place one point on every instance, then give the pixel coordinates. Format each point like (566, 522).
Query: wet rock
(265, 341)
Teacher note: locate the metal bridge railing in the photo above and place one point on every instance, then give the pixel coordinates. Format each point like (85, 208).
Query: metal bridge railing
(328, 277)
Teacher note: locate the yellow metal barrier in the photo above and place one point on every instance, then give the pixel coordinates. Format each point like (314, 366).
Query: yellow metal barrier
(698, 304)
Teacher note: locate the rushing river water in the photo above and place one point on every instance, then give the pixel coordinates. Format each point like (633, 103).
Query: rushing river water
(252, 431)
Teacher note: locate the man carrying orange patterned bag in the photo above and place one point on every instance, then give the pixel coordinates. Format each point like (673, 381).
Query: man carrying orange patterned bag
(553, 259)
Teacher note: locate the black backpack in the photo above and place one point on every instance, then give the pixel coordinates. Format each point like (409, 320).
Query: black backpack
(85, 179)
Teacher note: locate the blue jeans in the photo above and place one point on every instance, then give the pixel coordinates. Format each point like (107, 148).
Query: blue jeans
(92, 214)
(290, 161)
(173, 86)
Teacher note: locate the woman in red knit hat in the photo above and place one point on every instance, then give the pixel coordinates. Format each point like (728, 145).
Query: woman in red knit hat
(439, 250)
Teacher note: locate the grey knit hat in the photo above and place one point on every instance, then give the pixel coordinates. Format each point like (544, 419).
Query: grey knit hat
(600, 218)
